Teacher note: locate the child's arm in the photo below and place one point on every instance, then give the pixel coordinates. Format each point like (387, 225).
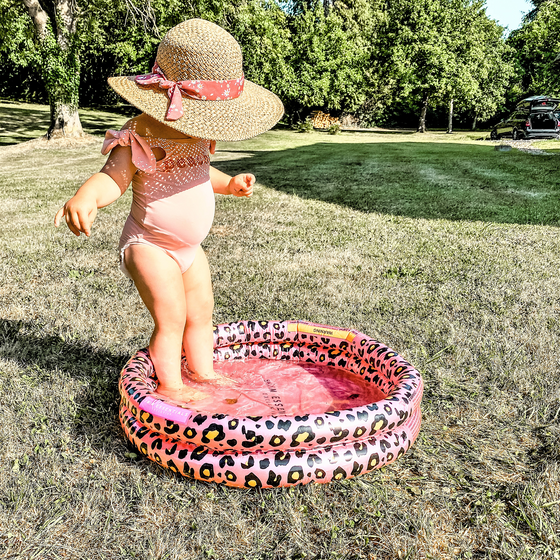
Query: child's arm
(240, 185)
(98, 191)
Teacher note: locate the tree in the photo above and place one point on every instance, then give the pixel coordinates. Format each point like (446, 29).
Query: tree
(483, 66)
(77, 44)
(18, 52)
(366, 22)
(327, 60)
(537, 6)
(421, 56)
(444, 53)
(262, 30)
(55, 36)
(495, 70)
(373, 58)
(537, 44)
(55, 31)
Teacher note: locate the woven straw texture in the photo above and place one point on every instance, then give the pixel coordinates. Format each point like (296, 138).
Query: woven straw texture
(199, 50)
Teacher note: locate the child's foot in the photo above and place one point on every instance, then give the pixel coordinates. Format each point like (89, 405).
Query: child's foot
(212, 378)
(182, 394)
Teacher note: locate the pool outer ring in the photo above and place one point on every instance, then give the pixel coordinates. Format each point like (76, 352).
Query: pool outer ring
(280, 340)
(272, 469)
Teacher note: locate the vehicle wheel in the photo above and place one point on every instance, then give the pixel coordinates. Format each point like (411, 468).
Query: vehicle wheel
(515, 135)
(493, 135)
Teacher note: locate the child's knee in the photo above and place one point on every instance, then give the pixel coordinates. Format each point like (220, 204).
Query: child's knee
(200, 311)
(170, 322)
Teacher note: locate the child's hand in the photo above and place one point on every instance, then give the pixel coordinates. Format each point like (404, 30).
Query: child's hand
(242, 185)
(79, 212)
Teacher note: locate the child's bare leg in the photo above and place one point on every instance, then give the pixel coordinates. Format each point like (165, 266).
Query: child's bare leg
(198, 339)
(160, 285)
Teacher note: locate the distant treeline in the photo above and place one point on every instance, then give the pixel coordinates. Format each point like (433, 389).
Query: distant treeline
(386, 62)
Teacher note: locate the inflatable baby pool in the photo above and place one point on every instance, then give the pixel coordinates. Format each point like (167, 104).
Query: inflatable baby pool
(310, 403)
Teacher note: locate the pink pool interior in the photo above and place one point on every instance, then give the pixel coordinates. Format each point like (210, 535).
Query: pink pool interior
(279, 387)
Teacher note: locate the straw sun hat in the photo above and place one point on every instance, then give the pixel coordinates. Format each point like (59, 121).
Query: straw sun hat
(197, 86)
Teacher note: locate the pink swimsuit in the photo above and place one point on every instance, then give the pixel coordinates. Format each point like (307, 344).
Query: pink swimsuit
(173, 201)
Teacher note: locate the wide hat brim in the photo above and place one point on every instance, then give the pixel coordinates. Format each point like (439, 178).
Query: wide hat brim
(255, 111)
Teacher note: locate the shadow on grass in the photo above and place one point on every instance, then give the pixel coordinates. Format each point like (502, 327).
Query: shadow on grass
(20, 123)
(19, 342)
(41, 356)
(98, 123)
(432, 180)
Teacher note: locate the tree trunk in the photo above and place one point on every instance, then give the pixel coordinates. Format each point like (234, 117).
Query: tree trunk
(422, 122)
(65, 121)
(474, 122)
(61, 74)
(450, 118)
(60, 68)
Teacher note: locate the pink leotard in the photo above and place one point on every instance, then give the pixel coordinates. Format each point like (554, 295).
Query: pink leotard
(173, 201)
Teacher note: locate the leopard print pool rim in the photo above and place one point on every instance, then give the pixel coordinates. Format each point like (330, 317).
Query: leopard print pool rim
(271, 451)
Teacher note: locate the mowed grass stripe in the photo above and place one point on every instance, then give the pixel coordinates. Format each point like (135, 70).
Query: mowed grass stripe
(420, 179)
(425, 242)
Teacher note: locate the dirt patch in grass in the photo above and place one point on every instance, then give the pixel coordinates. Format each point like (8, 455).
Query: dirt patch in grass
(405, 241)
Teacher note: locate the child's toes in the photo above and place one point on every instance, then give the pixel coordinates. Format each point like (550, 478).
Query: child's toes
(183, 395)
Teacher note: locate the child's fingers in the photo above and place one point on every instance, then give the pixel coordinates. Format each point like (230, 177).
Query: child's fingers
(250, 181)
(212, 146)
(73, 222)
(59, 215)
(78, 220)
(64, 213)
(90, 219)
(244, 190)
(84, 222)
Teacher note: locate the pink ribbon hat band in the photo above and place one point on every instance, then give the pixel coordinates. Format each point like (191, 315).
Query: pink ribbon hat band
(205, 90)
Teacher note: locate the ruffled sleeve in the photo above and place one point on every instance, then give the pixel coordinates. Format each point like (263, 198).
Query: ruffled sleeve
(142, 156)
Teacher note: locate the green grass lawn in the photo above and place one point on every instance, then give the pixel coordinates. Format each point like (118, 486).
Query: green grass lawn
(438, 245)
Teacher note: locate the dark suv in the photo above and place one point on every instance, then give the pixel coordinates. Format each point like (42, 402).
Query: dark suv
(534, 117)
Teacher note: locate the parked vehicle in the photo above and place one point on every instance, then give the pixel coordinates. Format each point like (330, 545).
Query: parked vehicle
(534, 117)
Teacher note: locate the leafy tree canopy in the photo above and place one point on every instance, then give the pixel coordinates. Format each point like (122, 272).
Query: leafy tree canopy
(537, 44)
(377, 59)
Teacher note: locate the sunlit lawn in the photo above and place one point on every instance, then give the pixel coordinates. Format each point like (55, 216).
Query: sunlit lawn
(551, 146)
(438, 245)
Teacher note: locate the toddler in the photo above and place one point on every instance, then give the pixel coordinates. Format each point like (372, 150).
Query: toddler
(195, 95)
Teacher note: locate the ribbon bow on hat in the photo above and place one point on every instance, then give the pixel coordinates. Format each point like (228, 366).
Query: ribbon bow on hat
(205, 90)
